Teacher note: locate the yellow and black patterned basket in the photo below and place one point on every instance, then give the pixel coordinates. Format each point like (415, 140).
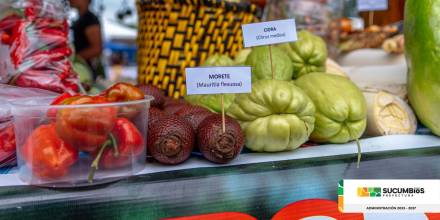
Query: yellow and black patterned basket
(175, 34)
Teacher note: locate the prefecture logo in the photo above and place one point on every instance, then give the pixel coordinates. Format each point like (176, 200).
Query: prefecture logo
(369, 191)
(389, 191)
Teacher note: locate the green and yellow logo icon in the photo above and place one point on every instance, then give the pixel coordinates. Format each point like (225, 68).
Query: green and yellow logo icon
(369, 192)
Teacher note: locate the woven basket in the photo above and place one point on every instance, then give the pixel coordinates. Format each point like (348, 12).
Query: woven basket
(175, 34)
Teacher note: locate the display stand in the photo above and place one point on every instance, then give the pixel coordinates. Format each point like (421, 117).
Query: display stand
(259, 189)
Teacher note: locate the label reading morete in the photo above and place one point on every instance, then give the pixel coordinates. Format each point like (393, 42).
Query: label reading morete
(218, 80)
(271, 32)
(372, 5)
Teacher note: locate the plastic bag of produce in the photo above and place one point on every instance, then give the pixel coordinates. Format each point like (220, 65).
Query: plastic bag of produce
(341, 109)
(7, 133)
(6, 69)
(276, 116)
(36, 33)
(8, 19)
(308, 54)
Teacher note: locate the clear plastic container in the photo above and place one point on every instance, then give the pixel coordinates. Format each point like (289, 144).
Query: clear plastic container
(7, 135)
(79, 145)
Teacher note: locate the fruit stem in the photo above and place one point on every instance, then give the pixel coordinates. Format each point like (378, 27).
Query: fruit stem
(224, 147)
(359, 153)
(115, 145)
(223, 114)
(170, 146)
(95, 163)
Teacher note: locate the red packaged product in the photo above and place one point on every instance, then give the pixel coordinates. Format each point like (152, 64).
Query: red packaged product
(7, 132)
(37, 33)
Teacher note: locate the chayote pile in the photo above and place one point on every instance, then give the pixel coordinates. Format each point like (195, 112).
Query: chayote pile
(276, 116)
(341, 109)
(308, 54)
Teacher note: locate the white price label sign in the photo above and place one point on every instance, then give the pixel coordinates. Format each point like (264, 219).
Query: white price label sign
(271, 32)
(372, 5)
(218, 80)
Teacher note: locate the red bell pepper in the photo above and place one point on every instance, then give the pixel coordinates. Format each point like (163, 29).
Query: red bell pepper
(51, 39)
(46, 154)
(33, 8)
(71, 82)
(36, 9)
(45, 47)
(62, 99)
(83, 127)
(7, 26)
(123, 92)
(8, 22)
(127, 145)
(46, 79)
(51, 59)
(20, 45)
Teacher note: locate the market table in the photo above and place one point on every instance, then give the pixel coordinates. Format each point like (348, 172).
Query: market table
(259, 189)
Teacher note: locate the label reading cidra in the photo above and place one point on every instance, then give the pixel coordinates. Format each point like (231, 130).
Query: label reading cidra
(271, 32)
(372, 5)
(218, 80)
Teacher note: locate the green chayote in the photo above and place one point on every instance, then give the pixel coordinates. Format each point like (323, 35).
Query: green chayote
(211, 102)
(242, 56)
(259, 59)
(276, 116)
(341, 109)
(308, 54)
(218, 60)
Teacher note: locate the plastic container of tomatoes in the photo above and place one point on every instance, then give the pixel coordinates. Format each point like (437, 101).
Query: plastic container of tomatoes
(79, 145)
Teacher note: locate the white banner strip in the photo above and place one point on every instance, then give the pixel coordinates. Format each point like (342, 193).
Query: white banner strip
(391, 196)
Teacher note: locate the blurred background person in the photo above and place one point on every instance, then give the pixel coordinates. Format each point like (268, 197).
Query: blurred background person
(87, 37)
